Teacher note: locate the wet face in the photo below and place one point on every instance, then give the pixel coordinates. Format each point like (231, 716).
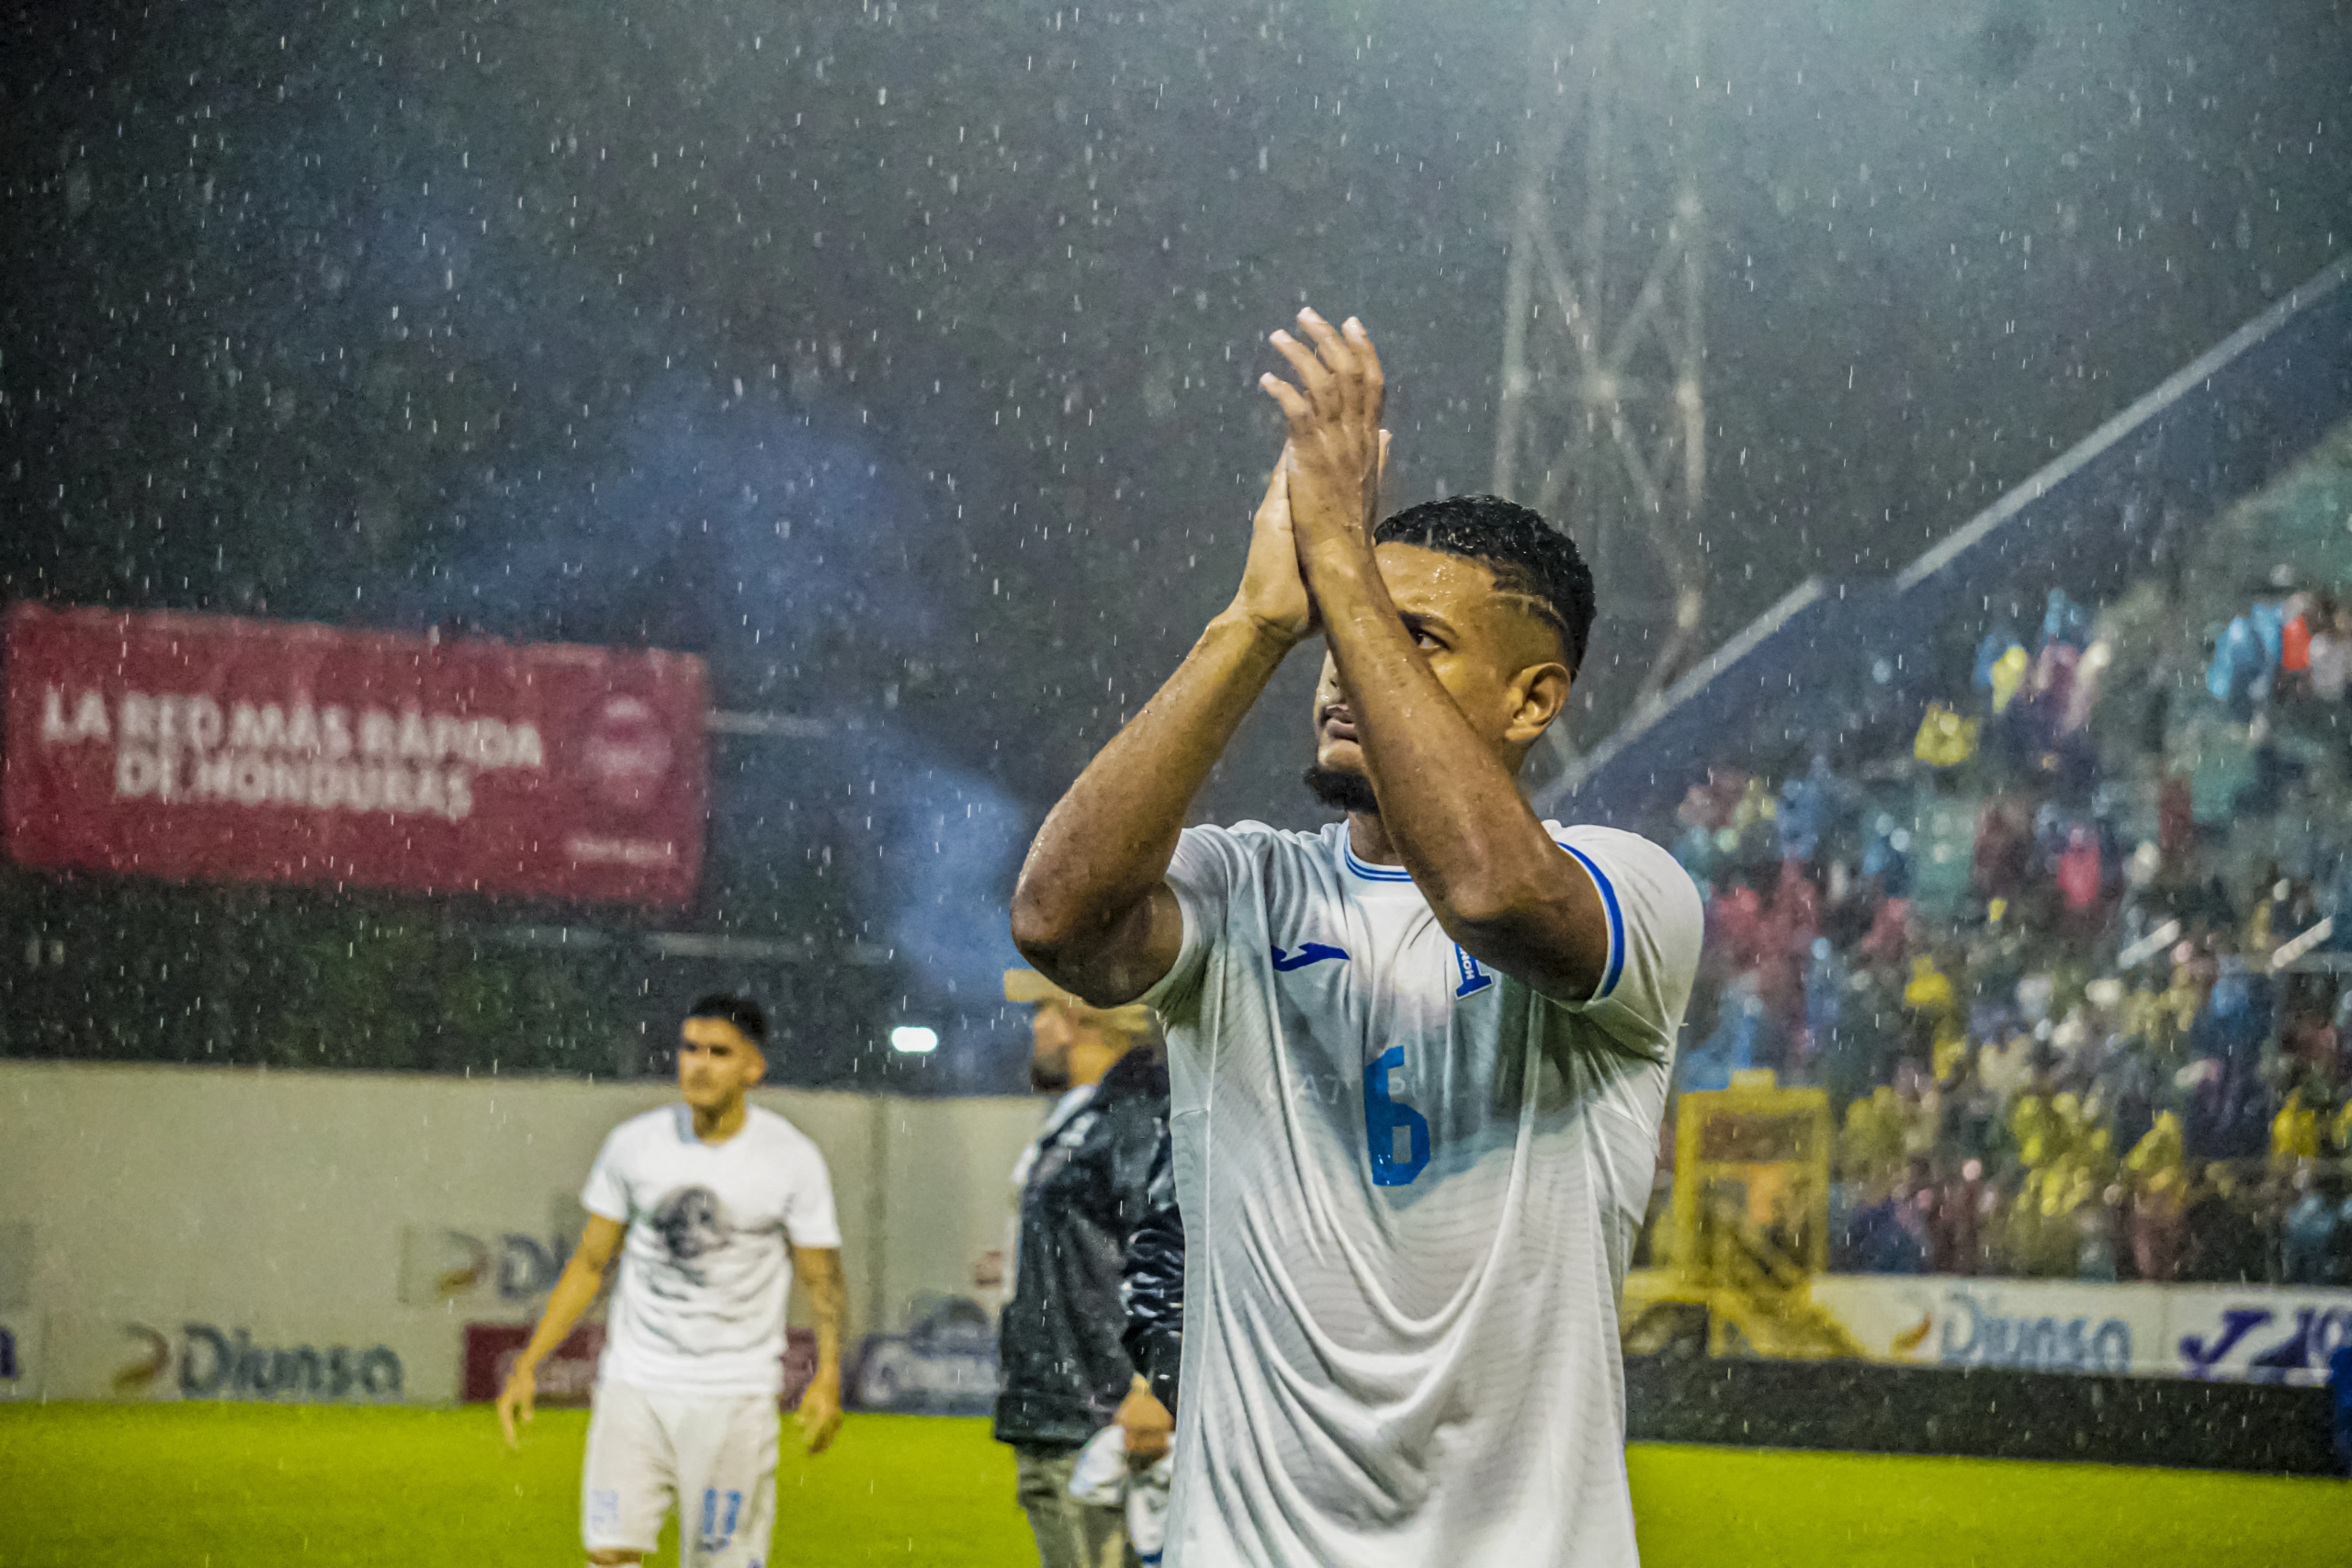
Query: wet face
(1049, 1037)
(716, 1062)
(1497, 659)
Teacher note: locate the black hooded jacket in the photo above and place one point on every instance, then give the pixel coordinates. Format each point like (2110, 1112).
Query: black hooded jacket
(1062, 1371)
(1154, 1288)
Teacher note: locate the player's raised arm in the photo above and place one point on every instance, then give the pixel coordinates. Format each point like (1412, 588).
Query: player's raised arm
(1449, 804)
(1092, 909)
(574, 1292)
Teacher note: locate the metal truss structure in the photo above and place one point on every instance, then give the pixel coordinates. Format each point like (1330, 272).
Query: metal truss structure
(1603, 413)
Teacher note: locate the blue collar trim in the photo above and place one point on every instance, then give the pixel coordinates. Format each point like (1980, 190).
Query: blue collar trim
(1371, 873)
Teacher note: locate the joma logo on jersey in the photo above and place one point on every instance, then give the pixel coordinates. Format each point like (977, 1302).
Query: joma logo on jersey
(1471, 976)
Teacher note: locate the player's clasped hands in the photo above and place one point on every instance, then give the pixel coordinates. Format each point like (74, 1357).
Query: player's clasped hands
(1337, 446)
(1273, 595)
(1325, 488)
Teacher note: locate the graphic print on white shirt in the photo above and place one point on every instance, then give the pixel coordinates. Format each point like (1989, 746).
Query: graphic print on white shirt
(691, 1223)
(706, 1263)
(1411, 1187)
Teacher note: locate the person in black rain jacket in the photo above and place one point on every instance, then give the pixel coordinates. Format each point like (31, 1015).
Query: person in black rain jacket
(1063, 1374)
(1154, 1286)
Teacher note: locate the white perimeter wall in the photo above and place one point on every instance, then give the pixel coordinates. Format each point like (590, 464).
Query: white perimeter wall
(357, 1210)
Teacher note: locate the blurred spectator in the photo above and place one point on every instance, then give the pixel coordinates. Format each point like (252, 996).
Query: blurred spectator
(2330, 652)
(2225, 1246)
(1880, 1236)
(2307, 1248)
(1064, 1373)
(1745, 1036)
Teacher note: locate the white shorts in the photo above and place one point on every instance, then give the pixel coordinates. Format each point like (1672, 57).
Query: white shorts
(714, 1457)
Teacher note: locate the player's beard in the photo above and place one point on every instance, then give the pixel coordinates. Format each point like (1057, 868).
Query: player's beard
(1050, 1072)
(1350, 793)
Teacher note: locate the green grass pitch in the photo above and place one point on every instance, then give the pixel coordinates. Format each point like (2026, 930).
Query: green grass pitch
(190, 1485)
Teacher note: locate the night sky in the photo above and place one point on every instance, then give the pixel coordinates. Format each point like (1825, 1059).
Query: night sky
(899, 357)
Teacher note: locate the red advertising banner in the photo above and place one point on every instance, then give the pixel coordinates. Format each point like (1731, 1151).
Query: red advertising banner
(567, 1377)
(222, 749)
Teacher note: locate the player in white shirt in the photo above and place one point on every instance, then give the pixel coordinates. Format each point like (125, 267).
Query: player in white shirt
(712, 1205)
(1418, 1059)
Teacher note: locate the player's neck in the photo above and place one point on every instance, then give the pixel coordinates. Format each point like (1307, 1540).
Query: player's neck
(1368, 840)
(719, 1123)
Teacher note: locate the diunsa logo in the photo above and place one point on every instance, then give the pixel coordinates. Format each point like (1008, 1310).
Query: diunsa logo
(626, 754)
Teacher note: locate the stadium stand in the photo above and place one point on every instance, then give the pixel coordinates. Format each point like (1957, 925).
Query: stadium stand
(2040, 858)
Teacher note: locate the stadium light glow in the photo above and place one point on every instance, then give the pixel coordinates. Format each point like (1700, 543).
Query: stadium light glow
(914, 1040)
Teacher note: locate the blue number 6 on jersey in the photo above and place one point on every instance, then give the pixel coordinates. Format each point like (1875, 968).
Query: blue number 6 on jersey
(1383, 1116)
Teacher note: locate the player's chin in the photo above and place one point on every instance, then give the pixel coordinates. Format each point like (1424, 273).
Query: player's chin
(1334, 755)
(1344, 788)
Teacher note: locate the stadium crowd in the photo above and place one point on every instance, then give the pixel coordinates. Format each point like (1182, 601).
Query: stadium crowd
(2068, 957)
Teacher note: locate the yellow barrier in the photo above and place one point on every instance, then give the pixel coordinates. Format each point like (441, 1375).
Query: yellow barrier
(1750, 1227)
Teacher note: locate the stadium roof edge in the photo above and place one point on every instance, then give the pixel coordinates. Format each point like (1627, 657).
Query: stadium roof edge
(1786, 608)
(2297, 392)
(2140, 412)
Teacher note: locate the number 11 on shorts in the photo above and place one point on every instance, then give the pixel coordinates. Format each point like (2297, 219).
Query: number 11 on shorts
(718, 1532)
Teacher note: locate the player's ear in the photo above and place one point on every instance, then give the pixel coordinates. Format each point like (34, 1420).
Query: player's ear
(1539, 695)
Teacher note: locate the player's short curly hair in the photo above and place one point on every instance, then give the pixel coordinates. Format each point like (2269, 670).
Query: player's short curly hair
(740, 1012)
(1530, 560)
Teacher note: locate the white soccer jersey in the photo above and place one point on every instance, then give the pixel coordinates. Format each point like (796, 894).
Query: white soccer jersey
(1411, 1189)
(707, 1265)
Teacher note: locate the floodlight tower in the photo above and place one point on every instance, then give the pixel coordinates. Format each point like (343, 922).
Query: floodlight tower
(1603, 415)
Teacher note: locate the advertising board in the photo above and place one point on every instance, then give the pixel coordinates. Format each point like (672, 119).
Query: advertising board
(2236, 1332)
(219, 747)
(440, 1264)
(569, 1377)
(944, 1364)
(161, 1357)
(2029, 1324)
(2256, 1332)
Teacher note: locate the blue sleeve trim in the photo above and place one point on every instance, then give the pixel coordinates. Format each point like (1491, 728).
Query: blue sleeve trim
(1616, 921)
